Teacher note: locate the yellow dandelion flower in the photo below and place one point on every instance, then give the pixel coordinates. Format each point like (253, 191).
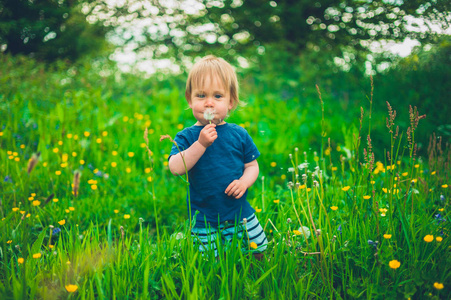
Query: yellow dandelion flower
(258, 209)
(55, 150)
(86, 133)
(346, 188)
(71, 208)
(131, 154)
(147, 170)
(149, 179)
(1, 133)
(125, 119)
(417, 166)
(439, 239)
(114, 164)
(180, 126)
(67, 262)
(75, 137)
(58, 173)
(166, 156)
(82, 162)
(94, 187)
(302, 186)
(309, 189)
(114, 153)
(441, 209)
(273, 164)
(116, 211)
(334, 207)
(98, 140)
(283, 177)
(62, 222)
(30, 198)
(20, 260)
(384, 190)
(22, 146)
(36, 203)
(366, 197)
(9, 242)
(387, 236)
(398, 162)
(297, 232)
(17, 159)
(55, 200)
(37, 255)
(71, 288)
(28, 215)
(316, 158)
(373, 182)
(60, 143)
(126, 216)
(22, 212)
(128, 170)
(438, 286)
(69, 135)
(334, 168)
(428, 238)
(445, 186)
(394, 264)
(253, 245)
(63, 165)
(142, 145)
(405, 174)
(15, 208)
(104, 133)
(74, 154)
(327, 152)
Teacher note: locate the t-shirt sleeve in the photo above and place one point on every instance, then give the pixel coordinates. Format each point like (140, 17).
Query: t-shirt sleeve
(182, 141)
(250, 149)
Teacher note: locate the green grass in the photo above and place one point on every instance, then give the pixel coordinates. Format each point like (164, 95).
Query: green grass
(125, 234)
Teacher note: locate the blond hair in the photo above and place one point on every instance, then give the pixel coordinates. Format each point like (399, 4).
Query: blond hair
(211, 65)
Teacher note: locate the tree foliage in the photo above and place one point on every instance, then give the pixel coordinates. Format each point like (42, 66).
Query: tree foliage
(47, 29)
(173, 29)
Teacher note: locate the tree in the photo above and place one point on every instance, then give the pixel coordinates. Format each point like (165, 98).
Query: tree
(47, 29)
(172, 29)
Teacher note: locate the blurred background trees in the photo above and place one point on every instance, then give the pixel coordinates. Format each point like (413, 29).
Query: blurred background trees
(48, 29)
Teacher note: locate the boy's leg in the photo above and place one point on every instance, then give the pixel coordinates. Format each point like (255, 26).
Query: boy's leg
(255, 234)
(205, 239)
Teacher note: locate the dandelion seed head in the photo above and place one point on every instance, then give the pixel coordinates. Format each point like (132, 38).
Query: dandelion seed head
(209, 114)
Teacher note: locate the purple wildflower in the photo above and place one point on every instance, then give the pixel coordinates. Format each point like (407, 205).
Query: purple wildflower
(339, 228)
(8, 179)
(56, 231)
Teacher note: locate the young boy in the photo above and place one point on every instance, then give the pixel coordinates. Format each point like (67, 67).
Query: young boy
(221, 159)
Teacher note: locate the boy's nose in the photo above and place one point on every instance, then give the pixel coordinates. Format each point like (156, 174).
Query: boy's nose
(209, 102)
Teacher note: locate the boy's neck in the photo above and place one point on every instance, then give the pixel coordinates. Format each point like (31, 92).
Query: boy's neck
(200, 124)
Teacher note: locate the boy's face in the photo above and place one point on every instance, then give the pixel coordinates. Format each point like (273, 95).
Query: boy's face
(213, 96)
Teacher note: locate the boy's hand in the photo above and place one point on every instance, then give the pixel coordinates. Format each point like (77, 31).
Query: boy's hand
(236, 189)
(208, 135)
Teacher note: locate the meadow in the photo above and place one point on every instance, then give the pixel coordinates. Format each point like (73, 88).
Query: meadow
(89, 209)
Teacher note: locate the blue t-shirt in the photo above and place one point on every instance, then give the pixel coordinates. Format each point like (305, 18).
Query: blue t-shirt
(222, 163)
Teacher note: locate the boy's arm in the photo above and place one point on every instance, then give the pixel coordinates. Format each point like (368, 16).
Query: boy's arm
(239, 186)
(192, 155)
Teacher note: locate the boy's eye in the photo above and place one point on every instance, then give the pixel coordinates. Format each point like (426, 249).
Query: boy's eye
(200, 95)
(218, 96)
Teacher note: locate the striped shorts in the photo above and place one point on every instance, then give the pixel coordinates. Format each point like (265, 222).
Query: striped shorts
(250, 232)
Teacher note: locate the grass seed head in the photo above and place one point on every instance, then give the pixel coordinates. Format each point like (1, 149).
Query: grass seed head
(33, 162)
(77, 175)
